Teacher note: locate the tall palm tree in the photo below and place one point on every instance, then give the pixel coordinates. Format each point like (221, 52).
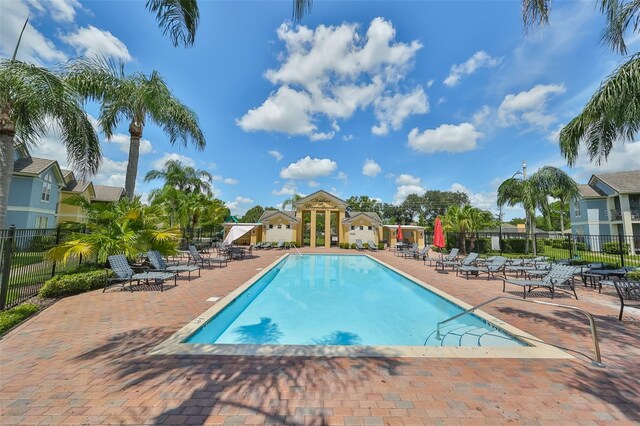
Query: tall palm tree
(182, 177)
(136, 98)
(458, 219)
(613, 112)
(32, 97)
(291, 201)
(178, 18)
(533, 193)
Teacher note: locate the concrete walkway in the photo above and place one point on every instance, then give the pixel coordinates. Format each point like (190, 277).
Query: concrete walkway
(84, 361)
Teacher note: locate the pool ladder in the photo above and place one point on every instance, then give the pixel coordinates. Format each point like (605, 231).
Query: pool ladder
(298, 251)
(597, 361)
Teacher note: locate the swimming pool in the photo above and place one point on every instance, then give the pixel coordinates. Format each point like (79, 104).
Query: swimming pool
(343, 300)
(346, 305)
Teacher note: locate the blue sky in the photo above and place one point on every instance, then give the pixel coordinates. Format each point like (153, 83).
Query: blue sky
(365, 98)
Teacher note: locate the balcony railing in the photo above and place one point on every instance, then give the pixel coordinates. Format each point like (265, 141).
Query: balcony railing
(615, 214)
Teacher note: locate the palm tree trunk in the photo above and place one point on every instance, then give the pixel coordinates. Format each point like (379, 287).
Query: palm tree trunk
(6, 172)
(135, 130)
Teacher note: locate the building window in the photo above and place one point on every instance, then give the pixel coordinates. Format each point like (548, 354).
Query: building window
(362, 228)
(288, 226)
(353, 228)
(42, 222)
(576, 208)
(46, 189)
(279, 226)
(270, 226)
(369, 228)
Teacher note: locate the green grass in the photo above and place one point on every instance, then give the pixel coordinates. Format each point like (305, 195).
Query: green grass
(14, 316)
(26, 258)
(588, 256)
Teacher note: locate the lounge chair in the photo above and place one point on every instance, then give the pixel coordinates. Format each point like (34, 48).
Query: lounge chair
(558, 276)
(491, 269)
(359, 245)
(159, 265)
(627, 290)
(408, 252)
(451, 256)
(372, 246)
(196, 257)
(470, 260)
(417, 255)
(123, 272)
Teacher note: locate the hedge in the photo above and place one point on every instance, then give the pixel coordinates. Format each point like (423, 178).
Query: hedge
(64, 285)
(634, 275)
(614, 248)
(481, 245)
(14, 316)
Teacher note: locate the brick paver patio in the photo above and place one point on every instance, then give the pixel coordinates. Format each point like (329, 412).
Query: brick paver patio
(84, 361)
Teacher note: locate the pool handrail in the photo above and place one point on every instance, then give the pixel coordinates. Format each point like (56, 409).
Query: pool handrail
(592, 324)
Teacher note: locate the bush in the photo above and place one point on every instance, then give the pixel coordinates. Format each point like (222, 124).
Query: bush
(42, 242)
(380, 246)
(481, 245)
(515, 245)
(14, 316)
(634, 275)
(353, 246)
(68, 284)
(614, 248)
(365, 245)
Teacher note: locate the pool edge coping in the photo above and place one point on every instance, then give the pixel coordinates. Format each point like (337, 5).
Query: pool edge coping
(174, 345)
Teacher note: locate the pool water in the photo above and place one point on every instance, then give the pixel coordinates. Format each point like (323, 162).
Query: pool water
(343, 300)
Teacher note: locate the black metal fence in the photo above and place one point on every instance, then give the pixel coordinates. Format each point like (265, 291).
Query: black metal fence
(614, 250)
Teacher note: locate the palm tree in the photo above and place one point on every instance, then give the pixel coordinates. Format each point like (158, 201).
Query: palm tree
(533, 193)
(291, 201)
(179, 19)
(31, 98)
(613, 112)
(182, 177)
(135, 98)
(458, 219)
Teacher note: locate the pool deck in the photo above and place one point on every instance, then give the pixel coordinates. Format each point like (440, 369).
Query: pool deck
(85, 360)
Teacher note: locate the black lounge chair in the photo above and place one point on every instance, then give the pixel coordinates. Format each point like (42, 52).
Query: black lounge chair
(196, 257)
(122, 272)
(627, 290)
(159, 265)
(559, 276)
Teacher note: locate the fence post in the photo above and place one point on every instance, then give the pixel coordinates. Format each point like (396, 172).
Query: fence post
(6, 266)
(621, 245)
(570, 241)
(53, 268)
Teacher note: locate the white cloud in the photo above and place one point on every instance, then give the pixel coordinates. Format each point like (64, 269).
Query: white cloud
(91, 41)
(478, 60)
(446, 138)
(239, 205)
(529, 107)
(371, 168)
(112, 173)
(481, 115)
(34, 47)
(393, 110)
(123, 140)
(554, 136)
(347, 138)
(62, 10)
(313, 184)
(275, 154)
(332, 71)
(406, 179)
(622, 157)
(403, 191)
(309, 168)
(343, 177)
(481, 200)
(159, 163)
(288, 188)
(230, 181)
(430, 83)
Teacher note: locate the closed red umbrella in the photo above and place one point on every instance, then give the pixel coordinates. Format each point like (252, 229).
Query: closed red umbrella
(399, 233)
(438, 235)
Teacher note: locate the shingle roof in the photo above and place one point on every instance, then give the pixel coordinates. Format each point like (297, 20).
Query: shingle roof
(31, 165)
(108, 193)
(622, 182)
(77, 185)
(371, 215)
(588, 191)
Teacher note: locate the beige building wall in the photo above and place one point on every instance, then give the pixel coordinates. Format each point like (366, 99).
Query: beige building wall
(69, 213)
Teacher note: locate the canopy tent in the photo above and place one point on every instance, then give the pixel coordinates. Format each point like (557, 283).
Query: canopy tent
(236, 232)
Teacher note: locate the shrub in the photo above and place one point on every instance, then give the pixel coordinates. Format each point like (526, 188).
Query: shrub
(68, 284)
(365, 245)
(514, 245)
(42, 242)
(614, 248)
(380, 246)
(634, 275)
(14, 316)
(353, 245)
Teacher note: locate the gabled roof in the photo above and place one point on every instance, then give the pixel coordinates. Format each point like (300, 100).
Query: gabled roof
(67, 175)
(588, 191)
(622, 182)
(108, 193)
(373, 216)
(33, 166)
(271, 214)
(320, 196)
(79, 186)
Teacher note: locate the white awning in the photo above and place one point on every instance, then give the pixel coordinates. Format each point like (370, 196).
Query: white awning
(236, 232)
